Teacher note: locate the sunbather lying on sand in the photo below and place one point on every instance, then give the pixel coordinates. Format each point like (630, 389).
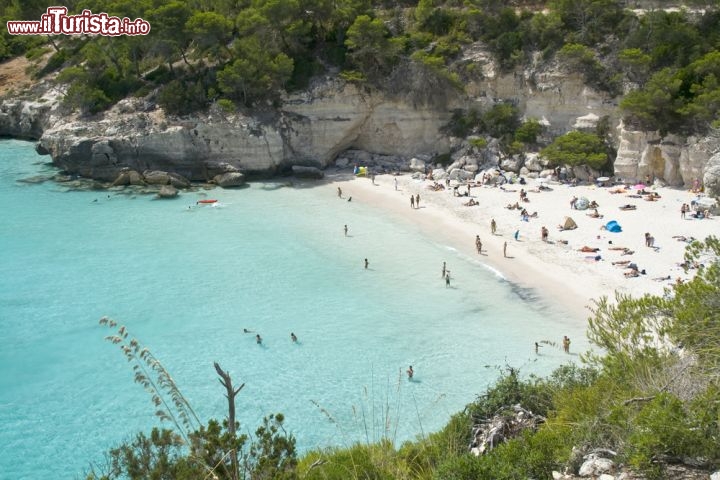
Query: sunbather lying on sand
(471, 203)
(628, 206)
(594, 214)
(621, 262)
(617, 190)
(683, 238)
(662, 279)
(589, 249)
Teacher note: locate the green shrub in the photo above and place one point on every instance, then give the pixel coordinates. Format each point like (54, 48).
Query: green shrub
(577, 148)
(661, 428)
(463, 467)
(227, 106)
(528, 131)
(478, 143)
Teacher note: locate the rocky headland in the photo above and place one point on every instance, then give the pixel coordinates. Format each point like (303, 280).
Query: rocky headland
(338, 123)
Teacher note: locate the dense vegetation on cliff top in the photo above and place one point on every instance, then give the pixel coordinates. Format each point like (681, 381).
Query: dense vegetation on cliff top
(247, 52)
(652, 396)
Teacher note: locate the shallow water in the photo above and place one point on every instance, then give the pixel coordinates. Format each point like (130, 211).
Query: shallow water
(186, 281)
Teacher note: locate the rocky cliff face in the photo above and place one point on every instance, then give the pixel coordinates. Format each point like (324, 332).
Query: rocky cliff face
(312, 128)
(675, 160)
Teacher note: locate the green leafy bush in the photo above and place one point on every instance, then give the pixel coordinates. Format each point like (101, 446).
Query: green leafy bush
(577, 148)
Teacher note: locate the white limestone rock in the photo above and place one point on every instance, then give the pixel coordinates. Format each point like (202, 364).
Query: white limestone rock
(167, 191)
(229, 179)
(417, 165)
(595, 466)
(711, 177)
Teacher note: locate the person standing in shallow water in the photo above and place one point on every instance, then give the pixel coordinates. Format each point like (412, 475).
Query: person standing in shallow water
(346, 230)
(258, 339)
(339, 192)
(417, 201)
(410, 372)
(366, 263)
(447, 279)
(293, 337)
(444, 270)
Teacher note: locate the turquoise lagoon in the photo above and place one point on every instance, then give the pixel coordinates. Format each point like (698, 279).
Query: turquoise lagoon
(186, 282)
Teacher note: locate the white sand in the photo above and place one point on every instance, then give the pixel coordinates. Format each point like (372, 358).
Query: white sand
(556, 271)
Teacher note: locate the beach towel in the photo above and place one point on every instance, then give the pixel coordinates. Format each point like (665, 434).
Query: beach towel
(569, 224)
(613, 226)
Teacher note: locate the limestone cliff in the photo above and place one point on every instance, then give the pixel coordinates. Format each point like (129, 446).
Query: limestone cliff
(310, 129)
(313, 127)
(675, 160)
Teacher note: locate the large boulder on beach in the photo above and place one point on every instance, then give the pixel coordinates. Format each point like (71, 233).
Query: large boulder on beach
(128, 177)
(178, 181)
(229, 179)
(156, 177)
(307, 172)
(167, 191)
(533, 162)
(439, 174)
(459, 174)
(417, 165)
(511, 164)
(711, 177)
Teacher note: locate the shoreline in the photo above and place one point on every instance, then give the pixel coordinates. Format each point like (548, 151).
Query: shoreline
(557, 271)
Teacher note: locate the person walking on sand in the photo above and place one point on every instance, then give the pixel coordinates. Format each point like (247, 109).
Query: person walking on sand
(505, 249)
(395, 182)
(649, 240)
(544, 234)
(493, 226)
(410, 372)
(346, 230)
(417, 201)
(517, 234)
(366, 263)
(412, 201)
(478, 244)
(339, 192)
(444, 270)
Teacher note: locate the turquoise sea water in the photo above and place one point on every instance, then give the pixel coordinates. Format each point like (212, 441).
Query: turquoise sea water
(186, 282)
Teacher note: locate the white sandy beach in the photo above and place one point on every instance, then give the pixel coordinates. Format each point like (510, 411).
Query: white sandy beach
(557, 271)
